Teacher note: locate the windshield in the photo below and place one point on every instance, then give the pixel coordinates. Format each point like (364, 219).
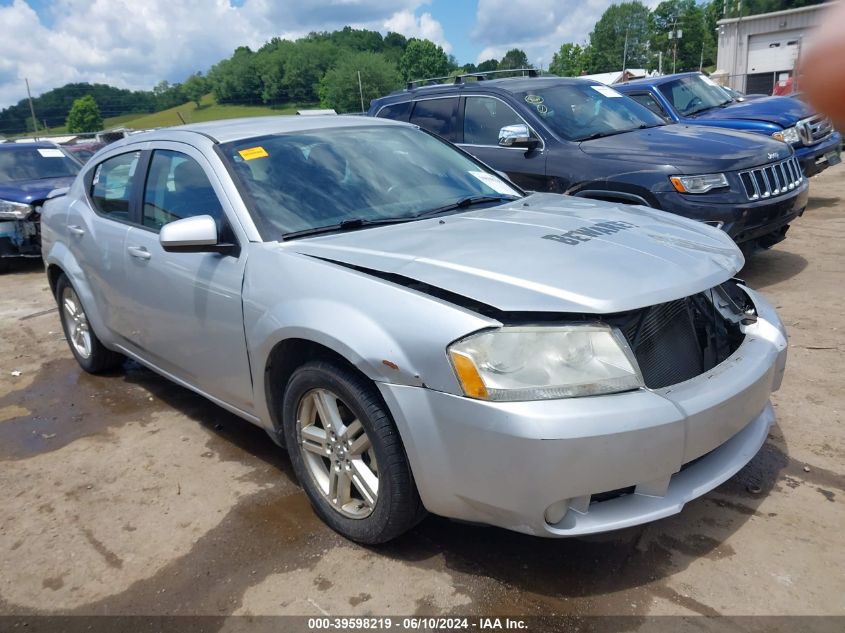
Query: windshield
(35, 163)
(695, 93)
(581, 111)
(308, 180)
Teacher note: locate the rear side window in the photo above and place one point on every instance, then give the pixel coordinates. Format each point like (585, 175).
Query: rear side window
(436, 115)
(111, 186)
(645, 99)
(396, 111)
(484, 117)
(178, 188)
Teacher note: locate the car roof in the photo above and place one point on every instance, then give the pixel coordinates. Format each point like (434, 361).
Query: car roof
(657, 81)
(508, 84)
(236, 129)
(24, 146)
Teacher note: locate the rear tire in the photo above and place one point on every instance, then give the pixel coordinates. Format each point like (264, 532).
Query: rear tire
(348, 455)
(89, 352)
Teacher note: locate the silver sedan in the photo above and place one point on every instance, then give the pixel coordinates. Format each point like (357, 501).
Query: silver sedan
(419, 333)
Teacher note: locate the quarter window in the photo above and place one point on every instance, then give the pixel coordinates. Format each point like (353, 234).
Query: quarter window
(484, 117)
(111, 186)
(178, 188)
(436, 115)
(396, 111)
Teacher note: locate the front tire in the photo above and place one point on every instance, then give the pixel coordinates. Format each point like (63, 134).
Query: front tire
(348, 455)
(89, 352)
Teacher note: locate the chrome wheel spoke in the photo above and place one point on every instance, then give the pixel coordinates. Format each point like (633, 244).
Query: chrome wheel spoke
(314, 441)
(340, 487)
(79, 333)
(358, 440)
(326, 404)
(365, 481)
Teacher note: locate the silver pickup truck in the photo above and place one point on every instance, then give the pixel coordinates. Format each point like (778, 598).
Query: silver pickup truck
(419, 333)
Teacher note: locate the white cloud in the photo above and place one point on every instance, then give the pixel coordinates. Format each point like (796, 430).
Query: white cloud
(538, 27)
(137, 43)
(423, 27)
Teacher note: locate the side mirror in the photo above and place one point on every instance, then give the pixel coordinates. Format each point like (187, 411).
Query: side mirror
(197, 234)
(517, 135)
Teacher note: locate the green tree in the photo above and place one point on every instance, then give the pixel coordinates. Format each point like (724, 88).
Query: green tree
(306, 65)
(514, 58)
(622, 28)
(195, 88)
(570, 61)
(236, 79)
(488, 65)
(423, 59)
(84, 116)
(686, 17)
(339, 86)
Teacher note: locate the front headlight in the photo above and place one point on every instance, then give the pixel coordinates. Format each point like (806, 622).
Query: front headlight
(789, 135)
(540, 363)
(698, 184)
(14, 210)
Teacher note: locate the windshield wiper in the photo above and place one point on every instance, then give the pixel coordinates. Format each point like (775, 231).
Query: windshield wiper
(464, 203)
(596, 135)
(347, 225)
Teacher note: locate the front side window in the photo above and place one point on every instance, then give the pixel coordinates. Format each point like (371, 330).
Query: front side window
(111, 186)
(580, 111)
(695, 93)
(436, 115)
(645, 99)
(177, 188)
(306, 180)
(484, 117)
(35, 163)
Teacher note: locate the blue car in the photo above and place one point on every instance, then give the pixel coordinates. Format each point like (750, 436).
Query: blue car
(580, 137)
(28, 173)
(694, 98)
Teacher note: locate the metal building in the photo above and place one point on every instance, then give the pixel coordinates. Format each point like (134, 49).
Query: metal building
(757, 51)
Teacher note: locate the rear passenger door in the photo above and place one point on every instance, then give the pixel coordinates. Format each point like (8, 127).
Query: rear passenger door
(187, 316)
(483, 117)
(97, 228)
(437, 115)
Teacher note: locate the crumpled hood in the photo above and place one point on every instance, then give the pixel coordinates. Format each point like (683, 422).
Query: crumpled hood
(27, 191)
(692, 149)
(784, 111)
(545, 253)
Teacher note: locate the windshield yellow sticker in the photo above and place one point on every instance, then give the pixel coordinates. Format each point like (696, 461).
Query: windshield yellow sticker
(253, 152)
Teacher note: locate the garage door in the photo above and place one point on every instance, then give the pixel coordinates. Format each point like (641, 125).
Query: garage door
(773, 52)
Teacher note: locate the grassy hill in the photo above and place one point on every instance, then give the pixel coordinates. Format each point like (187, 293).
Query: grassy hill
(210, 110)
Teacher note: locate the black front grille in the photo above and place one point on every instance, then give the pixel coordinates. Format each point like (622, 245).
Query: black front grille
(772, 180)
(682, 339)
(665, 344)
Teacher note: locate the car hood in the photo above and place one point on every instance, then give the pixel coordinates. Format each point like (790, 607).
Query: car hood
(784, 111)
(27, 191)
(544, 253)
(689, 148)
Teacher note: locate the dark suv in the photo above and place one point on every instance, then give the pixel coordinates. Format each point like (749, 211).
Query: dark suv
(583, 138)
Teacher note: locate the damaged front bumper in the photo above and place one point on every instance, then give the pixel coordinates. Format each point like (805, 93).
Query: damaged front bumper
(21, 238)
(584, 465)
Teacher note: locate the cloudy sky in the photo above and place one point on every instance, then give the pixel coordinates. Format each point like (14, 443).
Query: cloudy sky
(137, 43)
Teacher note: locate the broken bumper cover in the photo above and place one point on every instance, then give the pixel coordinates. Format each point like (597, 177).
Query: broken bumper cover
(585, 465)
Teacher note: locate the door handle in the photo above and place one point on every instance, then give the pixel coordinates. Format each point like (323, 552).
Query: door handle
(76, 230)
(139, 251)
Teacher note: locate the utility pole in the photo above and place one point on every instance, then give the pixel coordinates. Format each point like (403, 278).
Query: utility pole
(361, 92)
(675, 34)
(625, 55)
(31, 108)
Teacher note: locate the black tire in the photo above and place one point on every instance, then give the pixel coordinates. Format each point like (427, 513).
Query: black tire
(397, 507)
(100, 359)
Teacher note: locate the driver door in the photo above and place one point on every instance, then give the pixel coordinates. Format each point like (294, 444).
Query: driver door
(187, 317)
(483, 117)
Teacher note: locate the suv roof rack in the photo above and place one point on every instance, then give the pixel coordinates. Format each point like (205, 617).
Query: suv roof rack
(478, 76)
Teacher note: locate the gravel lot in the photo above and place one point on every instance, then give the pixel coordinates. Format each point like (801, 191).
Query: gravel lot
(129, 495)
